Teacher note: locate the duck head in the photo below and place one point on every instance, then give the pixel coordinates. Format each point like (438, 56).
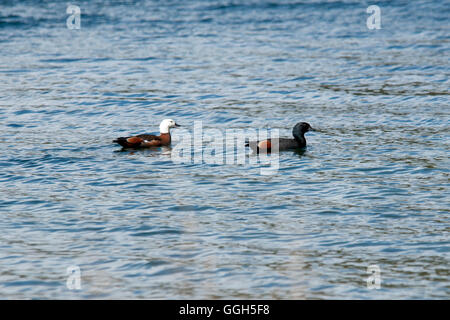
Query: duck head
(300, 129)
(166, 124)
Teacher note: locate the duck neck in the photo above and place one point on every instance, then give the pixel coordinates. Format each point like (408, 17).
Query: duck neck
(300, 139)
(165, 138)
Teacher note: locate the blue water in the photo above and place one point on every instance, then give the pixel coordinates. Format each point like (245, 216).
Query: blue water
(372, 188)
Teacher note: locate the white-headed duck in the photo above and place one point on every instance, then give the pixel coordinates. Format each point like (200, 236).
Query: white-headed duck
(149, 140)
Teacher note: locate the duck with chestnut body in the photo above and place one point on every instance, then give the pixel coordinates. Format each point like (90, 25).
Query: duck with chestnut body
(149, 140)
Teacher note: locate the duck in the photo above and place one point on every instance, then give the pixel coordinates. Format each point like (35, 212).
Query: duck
(149, 140)
(298, 142)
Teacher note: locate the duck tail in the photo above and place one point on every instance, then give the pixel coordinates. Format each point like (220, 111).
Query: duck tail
(122, 141)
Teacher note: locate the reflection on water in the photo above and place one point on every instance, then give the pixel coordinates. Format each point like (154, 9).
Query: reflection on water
(371, 188)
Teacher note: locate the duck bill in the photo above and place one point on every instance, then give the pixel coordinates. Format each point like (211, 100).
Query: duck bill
(177, 125)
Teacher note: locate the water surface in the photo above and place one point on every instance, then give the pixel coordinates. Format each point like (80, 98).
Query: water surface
(371, 188)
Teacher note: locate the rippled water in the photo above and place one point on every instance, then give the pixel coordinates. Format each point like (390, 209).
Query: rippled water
(372, 188)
